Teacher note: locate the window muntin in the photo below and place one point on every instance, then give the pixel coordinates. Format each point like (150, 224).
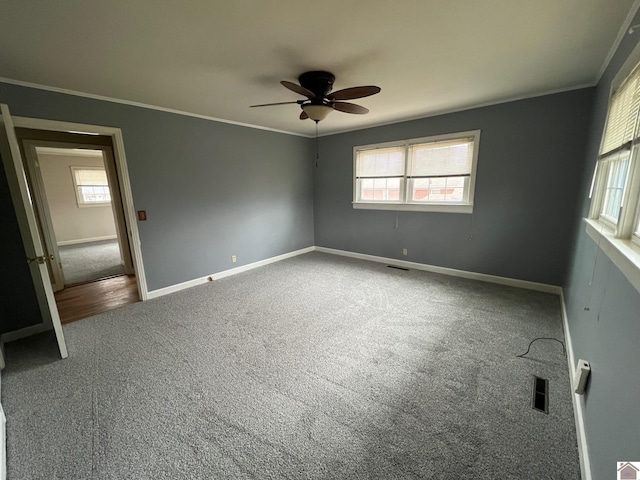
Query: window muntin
(417, 174)
(91, 186)
(616, 175)
(635, 237)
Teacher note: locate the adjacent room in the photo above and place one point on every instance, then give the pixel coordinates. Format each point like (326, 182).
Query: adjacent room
(285, 240)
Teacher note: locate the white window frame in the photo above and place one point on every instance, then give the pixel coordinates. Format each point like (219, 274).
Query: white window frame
(620, 240)
(79, 199)
(405, 204)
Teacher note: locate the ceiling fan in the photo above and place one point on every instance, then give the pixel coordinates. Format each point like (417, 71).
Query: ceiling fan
(317, 86)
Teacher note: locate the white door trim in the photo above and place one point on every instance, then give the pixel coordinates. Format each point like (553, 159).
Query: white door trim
(123, 180)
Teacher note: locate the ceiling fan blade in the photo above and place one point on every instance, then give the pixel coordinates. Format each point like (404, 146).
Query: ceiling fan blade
(298, 89)
(279, 103)
(303, 115)
(354, 92)
(349, 108)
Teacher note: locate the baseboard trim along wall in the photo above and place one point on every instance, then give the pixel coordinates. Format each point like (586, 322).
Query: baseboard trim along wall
(3, 445)
(25, 332)
(578, 400)
(86, 240)
(511, 282)
(225, 273)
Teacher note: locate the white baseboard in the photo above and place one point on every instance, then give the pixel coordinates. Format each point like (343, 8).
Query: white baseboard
(578, 400)
(3, 445)
(24, 332)
(511, 282)
(86, 240)
(3, 428)
(225, 273)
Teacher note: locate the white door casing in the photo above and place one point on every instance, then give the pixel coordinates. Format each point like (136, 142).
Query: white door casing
(130, 224)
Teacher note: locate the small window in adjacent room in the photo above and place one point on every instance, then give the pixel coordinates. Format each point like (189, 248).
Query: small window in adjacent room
(425, 174)
(91, 186)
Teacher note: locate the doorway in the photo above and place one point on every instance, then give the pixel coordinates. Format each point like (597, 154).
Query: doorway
(74, 182)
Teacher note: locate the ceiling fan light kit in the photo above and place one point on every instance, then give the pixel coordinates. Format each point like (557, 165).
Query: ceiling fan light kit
(316, 112)
(317, 86)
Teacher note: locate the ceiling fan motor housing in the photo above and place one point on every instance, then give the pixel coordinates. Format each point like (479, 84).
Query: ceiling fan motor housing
(319, 82)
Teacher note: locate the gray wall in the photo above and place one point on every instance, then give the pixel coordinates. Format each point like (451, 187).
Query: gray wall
(526, 187)
(608, 334)
(210, 189)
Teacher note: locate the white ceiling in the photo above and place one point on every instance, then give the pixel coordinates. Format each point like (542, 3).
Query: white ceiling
(215, 58)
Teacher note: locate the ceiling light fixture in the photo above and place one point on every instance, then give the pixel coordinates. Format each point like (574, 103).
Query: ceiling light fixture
(317, 111)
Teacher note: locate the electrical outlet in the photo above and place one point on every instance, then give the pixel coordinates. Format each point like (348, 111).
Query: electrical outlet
(233, 259)
(404, 252)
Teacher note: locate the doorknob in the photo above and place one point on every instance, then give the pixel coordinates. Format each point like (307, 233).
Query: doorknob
(41, 259)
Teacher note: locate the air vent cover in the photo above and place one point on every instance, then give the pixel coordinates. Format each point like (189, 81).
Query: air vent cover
(540, 394)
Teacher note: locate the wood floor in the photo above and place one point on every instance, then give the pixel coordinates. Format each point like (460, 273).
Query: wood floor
(82, 301)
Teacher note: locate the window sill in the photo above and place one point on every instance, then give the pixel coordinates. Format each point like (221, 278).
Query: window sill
(93, 205)
(623, 253)
(413, 207)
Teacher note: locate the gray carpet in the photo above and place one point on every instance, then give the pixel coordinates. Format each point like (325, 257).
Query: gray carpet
(316, 367)
(86, 262)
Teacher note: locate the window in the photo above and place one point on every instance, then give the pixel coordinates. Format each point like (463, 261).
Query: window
(616, 195)
(614, 215)
(91, 185)
(425, 174)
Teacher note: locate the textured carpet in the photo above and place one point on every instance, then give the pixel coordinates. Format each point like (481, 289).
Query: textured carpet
(316, 367)
(86, 262)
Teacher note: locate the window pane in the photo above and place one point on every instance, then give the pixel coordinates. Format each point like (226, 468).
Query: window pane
(451, 157)
(90, 176)
(91, 185)
(616, 177)
(382, 162)
(380, 189)
(438, 189)
(94, 194)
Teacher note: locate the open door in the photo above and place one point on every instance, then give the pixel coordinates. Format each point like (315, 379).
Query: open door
(45, 225)
(22, 202)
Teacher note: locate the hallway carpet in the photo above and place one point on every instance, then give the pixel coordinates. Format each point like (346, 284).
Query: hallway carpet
(86, 262)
